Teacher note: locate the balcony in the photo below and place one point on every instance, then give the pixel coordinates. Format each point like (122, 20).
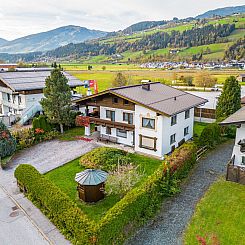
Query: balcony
(112, 124)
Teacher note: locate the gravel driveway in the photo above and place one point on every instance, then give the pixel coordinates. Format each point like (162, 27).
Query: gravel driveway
(31, 226)
(52, 154)
(168, 227)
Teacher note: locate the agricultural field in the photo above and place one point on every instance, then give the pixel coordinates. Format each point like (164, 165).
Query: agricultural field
(219, 217)
(135, 74)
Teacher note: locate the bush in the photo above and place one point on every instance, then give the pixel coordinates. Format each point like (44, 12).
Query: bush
(210, 136)
(41, 122)
(64, 213)
(105, 158)
(7, 142)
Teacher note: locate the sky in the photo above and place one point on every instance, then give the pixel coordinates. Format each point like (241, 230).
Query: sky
(23, 17)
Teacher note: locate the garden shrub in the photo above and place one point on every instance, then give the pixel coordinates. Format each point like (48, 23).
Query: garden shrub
(7, 142)
(64, 213)
(41, 122)
(210, 136)
(105, 158)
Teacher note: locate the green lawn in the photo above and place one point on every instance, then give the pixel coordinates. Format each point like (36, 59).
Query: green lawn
(219, 217)
(71, 133)
(64, 176)
(198, 127)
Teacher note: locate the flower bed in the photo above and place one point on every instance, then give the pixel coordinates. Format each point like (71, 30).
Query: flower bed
(137, 206)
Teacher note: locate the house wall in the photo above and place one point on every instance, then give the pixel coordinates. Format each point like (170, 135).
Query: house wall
(118, 118)
(177, 129)
(140, 112)
(240, 134)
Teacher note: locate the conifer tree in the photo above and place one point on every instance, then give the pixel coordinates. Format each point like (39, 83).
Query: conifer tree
(230, 99)
(57, 99)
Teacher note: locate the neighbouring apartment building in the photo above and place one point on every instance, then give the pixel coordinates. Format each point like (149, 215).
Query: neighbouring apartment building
(151, 117)
(21, 92)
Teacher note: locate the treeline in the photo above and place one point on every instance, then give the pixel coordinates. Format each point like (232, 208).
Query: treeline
(144, 25)
(236, 51)
(12, 58)
(189, 38)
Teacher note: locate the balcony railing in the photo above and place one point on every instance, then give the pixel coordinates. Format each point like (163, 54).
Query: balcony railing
(112, 124)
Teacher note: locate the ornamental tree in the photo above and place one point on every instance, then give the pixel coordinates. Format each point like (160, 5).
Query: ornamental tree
(230, 99)
(7, 142)
(57, 99)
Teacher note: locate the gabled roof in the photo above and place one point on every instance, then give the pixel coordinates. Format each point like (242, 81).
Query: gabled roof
(160, 98)
(236, 118)
(32, 80)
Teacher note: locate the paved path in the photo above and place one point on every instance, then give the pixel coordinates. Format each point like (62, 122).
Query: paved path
(176, 212)
(30, 226)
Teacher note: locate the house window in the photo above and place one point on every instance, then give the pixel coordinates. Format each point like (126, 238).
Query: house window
(172, 139)
(108, 130)
(121, 133)
(8, 97)
(187, 114)
(148, 123)
(115, 100)
(173, 120)
(149, 143)
(19, 100)
(243, 160)
(186, 131)
(128, 117)
(110, 115)
(125, 102)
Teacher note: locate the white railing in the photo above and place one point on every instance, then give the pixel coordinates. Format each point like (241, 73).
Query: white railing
(30, 113)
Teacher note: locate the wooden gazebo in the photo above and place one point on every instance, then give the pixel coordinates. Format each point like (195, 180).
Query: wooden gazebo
(91, 184)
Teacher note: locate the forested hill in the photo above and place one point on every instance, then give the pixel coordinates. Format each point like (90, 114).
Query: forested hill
(208, 34)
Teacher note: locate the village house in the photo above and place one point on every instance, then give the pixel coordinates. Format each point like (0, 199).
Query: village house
(153, 118)
(238, 119)
(21, 92)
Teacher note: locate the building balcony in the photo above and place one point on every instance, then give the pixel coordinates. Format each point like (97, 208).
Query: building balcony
(109, 123)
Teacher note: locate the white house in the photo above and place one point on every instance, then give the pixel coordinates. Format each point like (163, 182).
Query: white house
(151, 117)
(238, 119)
(21, 92)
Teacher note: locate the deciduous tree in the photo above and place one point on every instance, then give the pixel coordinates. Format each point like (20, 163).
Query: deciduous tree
(204, 79)
(120, 80)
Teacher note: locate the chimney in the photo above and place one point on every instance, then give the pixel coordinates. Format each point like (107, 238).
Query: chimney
(146, 84)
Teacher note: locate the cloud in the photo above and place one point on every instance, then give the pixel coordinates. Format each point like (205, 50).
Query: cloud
(19, 18)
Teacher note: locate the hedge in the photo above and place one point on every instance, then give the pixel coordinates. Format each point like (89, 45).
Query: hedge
(140, 204)
(64, 213)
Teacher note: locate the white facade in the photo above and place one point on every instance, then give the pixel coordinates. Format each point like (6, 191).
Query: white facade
(151, 141)
(239, 157)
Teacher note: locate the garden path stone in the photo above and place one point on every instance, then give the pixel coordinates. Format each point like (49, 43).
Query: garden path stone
(30, 222)
(168, 226)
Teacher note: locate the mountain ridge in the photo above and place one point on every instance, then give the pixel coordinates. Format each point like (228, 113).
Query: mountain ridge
(51, 39)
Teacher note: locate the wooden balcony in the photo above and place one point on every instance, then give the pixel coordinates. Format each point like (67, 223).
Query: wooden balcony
(112, 124)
